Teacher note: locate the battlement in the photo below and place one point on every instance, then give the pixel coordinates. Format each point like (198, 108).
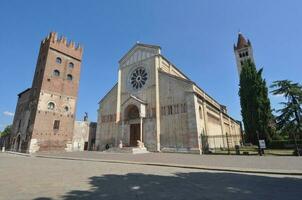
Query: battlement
(61, 44)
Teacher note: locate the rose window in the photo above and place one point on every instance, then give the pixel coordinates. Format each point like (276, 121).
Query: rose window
(138, 78)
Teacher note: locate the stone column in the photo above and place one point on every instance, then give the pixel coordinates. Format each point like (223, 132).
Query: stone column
(205, 114)
(194, 117)
(230, 129)
(222, 128)
(123, 125)
(141, 129)
(118, 104)
(157, 103)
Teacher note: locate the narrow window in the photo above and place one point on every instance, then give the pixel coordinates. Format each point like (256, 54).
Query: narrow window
(200, 113)
(58, 60)
(69, 77)
(56, 72)
(169, 110)
(70, 65)
(246, 53)
(56, 125)
(66, 108)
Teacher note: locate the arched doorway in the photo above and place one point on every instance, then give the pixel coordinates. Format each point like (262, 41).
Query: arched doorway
(132, 115)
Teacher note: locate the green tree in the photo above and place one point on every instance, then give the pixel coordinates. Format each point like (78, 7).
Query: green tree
(289, 120)
(255, 104)
(6, 131)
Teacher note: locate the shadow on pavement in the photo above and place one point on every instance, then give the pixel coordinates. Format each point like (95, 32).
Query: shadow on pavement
(195, 185)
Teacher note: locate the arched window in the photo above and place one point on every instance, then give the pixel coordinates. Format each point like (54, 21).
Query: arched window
(58, 60)
(66, 108)
(56, 72)
(200, 113)
(246, 53)
(69, 77)
(131, 112)
(51, 106)
(70, 65)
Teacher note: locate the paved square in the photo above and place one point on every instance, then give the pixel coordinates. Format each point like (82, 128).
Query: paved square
(45, 178)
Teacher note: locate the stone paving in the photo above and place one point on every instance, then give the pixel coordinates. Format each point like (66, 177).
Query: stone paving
(45, 179)
(264, 163)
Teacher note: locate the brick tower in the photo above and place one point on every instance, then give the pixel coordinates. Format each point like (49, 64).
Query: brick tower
(47, 109)
(243, 51)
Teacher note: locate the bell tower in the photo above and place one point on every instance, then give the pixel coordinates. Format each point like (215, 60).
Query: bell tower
(54, 94)
(243, 52)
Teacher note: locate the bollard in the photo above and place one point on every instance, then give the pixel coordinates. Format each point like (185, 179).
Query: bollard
(3, 149)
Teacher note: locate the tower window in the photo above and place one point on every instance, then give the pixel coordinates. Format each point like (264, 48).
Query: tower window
(70, 65)
(240, 55)
(56, 125)
(66, 108)
(51, 106)
(58, 60)
(69, 77)
(56, 72)
(246, 53)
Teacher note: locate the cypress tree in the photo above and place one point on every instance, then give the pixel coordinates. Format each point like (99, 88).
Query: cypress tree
(255, 104)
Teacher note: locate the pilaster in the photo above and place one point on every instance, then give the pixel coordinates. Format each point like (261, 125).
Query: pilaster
(157, 103)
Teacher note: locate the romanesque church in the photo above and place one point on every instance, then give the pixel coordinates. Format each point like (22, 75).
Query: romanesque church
(155, 103)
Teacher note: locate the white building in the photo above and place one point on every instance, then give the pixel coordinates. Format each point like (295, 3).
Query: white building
(155, 102)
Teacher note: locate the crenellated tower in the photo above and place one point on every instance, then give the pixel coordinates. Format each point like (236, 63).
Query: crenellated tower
(49, 111)
(243, 51)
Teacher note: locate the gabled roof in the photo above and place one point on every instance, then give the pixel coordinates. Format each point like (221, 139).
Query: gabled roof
(136, 99)
(108, 93)
(139, 45)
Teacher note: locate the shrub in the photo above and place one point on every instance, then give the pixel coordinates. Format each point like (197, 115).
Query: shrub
(284, 144)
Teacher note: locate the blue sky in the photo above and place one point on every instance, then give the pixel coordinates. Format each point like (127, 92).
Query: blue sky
(197, 36)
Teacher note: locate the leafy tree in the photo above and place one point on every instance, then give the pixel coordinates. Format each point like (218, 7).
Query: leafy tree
(6, 131)
(255, 104)
(289, 120)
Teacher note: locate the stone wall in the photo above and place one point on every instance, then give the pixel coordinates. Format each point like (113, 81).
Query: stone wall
(178, 124)
(21, 123)
(84, 131)
(107, 129)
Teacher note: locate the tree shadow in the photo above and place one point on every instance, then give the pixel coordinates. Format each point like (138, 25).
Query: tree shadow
(193, 186)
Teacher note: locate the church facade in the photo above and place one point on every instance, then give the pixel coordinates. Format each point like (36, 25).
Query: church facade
(155, 103)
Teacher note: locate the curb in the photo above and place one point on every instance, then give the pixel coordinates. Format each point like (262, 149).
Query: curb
(221, 169)
(18, 153)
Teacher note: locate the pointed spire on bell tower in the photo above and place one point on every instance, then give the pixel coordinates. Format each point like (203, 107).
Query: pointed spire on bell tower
(243, 51)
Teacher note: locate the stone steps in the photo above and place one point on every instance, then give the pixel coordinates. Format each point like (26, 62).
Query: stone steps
(133, 150)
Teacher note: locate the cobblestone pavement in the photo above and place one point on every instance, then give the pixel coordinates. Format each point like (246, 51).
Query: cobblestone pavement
(44, 179)
(279, 163)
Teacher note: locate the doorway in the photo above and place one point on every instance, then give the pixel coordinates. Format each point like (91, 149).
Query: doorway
(134, 134)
